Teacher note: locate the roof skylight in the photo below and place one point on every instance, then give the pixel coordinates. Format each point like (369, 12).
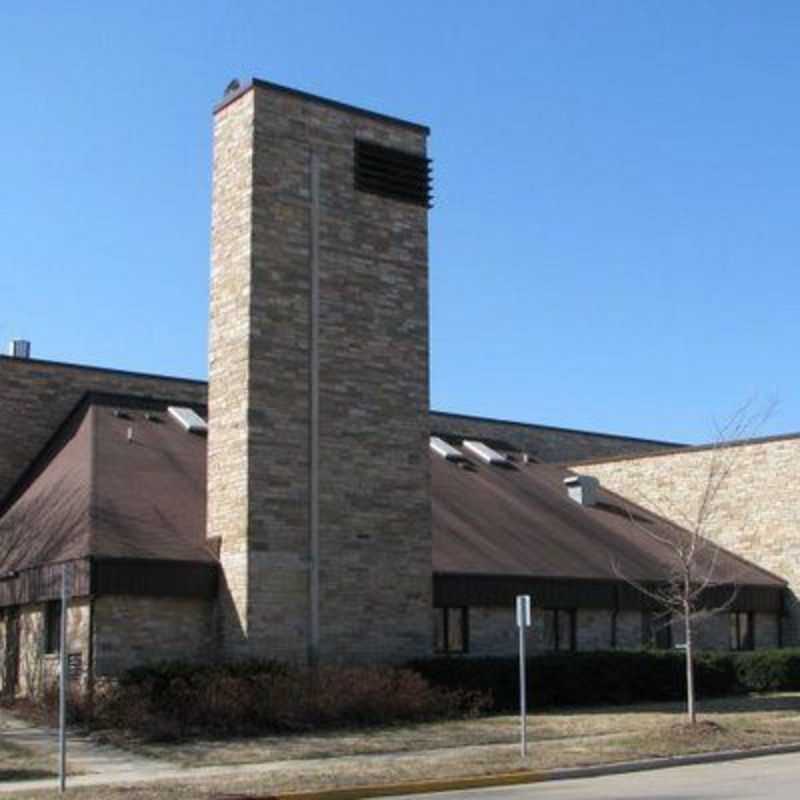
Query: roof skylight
(445, 450)
(189, 418)
(484, 452)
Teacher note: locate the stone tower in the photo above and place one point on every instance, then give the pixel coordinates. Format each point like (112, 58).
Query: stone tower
(318, 480)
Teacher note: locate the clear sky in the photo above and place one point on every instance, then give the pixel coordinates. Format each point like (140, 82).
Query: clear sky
(615, 239)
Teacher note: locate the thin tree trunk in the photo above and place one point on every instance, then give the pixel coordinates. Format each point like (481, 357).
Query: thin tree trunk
(687, 621)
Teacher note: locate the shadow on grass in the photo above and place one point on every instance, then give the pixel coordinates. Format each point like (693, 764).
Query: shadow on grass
(740, 704)
(25, 774)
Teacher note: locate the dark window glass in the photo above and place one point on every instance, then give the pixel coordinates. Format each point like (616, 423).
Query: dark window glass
(559, 629)
(452, 630)
(656, 630)
(52, 626)
(741, 630)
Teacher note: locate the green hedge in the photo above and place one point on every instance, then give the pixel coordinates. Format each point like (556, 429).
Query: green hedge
(614, 677)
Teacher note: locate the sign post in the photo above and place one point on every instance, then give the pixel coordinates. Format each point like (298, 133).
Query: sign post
(523, 623)
(62, 686)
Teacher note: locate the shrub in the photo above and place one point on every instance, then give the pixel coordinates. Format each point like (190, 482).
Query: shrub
(590, 678)
(768, 670)
(169, 700)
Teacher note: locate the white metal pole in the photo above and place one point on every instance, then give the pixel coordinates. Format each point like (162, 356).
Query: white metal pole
(62, 687)
(523, 716)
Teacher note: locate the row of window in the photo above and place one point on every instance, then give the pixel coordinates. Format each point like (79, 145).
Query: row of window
(452, 630)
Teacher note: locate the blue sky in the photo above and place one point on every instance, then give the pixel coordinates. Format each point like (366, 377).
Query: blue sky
(615, 239)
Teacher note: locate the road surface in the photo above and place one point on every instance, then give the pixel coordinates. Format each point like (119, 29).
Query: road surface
(773, 777)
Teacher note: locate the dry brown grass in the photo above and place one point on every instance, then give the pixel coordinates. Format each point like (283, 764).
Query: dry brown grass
(455, 749)
(23, 763)
(762, 719)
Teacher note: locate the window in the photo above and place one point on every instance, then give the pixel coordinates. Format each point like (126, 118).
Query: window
(452, 630)
(559, 629)
(52, 626)
(741, 630)
(657, 630)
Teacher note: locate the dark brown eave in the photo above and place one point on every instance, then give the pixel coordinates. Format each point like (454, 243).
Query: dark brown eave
(313, 98)
(111, 576)
(450, 589)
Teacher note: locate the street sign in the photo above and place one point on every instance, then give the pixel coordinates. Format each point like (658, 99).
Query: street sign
(523, 623)
(523, 611)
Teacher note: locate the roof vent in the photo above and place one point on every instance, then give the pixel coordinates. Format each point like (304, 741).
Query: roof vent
(392, 173)
(19, 348)
(484, 452)
(189, 418)
(582, 489)
(440, 447)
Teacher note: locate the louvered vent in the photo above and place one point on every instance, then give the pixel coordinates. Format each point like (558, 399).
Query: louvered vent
(392, 173)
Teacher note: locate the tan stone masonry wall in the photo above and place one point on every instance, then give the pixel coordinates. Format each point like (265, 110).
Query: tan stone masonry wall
(758, 510)
(131, 631)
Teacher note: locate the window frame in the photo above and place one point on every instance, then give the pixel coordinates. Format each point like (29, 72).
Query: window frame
(51, 641)
(737, 642)
(449, 613)
(572, 622)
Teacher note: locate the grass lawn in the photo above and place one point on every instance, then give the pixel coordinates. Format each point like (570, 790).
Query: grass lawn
(19, 763)
(474, 747)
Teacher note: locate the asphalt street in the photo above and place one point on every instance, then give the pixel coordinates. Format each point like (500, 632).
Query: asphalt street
(774, 777)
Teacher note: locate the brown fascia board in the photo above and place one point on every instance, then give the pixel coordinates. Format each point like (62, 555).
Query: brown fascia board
(681, 449)
(314, 98)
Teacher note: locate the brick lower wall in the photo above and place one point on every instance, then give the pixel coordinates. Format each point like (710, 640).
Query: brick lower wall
(35, 667)
(131, 631)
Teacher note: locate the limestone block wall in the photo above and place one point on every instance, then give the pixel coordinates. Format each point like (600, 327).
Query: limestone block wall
(38, 395)
(756, 513)
(374, 553)
(131, 631)
(35, 667)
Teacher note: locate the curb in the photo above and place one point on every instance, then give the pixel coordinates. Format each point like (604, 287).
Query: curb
(533, 776)
(417, 787)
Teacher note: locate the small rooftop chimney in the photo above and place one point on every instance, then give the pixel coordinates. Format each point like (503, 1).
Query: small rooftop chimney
(19, 348)
(582, 489)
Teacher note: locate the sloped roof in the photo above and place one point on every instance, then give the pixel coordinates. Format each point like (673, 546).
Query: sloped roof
(94, 493)
(517, 520)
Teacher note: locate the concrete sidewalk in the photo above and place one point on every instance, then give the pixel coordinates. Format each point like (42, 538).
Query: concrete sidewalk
(107, 765)
(84, 755)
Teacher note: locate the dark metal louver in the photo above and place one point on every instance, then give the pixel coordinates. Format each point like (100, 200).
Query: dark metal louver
(392, 173)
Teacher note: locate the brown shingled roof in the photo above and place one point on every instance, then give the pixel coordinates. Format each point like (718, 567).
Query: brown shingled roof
(146, 499)
(93, 493)
(519, 521)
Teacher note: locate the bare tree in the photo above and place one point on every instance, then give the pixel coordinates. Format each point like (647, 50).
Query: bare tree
(697, 585)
